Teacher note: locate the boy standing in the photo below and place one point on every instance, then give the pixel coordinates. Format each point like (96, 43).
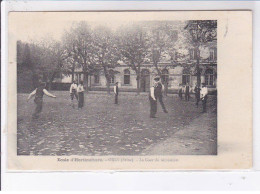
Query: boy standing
(73, 92)
(204, 96)
(180, 91)
(116, 91)
(197, 94)
(38, 93)
(80, 91)
(156, 93)
(187, 92)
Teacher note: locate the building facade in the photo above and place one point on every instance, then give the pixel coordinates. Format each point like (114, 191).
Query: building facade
(176, 71)
(172, 76)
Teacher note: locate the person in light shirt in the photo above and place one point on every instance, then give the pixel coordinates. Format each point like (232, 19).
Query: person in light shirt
(116, 92)
(197, 94)
(80, 91)
(38, 93)
(156, 93)
(204, 96)
(73, 92)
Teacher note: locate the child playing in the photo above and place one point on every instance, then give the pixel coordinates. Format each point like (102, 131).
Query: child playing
(38, 93)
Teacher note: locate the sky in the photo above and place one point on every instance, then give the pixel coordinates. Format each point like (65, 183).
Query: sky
(34, 26)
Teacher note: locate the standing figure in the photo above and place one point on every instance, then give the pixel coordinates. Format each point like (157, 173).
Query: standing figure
(187, 92)
(153, 102)
(116, 91)
(156, 93)
(38, 93)
(159, 93)
(180, 91)
(197, 94)
(204, 96)
(80, 91)
(73, 92)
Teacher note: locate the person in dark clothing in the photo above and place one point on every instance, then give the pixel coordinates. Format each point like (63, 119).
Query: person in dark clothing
(80, 91)
(38, 93)
(156, 93)
(197, 94)
(153, 102)
(187, 92)
(116, 91)
(180, 91)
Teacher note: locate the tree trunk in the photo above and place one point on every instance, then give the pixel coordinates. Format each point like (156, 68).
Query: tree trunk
(138, 79)
(86, 80)
(72, 74)
(138, 85)
(157, 69)
(108, 85)
(51, 80)
(198, 66)
(89, 82)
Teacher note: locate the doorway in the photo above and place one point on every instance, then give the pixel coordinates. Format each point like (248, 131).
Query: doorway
(145, 80)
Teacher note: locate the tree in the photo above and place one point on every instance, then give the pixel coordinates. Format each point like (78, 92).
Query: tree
(201, 32)
(161, 39)
(80, 47)
(133, 44)
(25, 69)
(106, 53)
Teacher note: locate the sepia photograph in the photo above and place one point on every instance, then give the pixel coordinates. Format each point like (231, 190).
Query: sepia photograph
(128, 90)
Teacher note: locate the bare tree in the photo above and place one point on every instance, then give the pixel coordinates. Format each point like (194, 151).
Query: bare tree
(80, 47)
(106, 53)
(133, 43)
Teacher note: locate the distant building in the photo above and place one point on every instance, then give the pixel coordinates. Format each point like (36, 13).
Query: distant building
(173, 74)
(175, 70)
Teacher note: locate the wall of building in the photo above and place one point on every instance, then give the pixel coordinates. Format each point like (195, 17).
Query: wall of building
(175, 78)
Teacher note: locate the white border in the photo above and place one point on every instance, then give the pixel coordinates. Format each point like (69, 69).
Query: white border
(235, 180)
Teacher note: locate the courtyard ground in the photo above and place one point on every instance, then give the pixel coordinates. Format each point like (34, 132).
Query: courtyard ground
(103, 128)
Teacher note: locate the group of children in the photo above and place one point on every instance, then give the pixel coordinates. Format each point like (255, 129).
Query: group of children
(77, 91)
(201, 94)
(156, 93)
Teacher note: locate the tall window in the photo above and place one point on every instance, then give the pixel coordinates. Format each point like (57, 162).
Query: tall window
(112, 77)
(186, 76)
(165, 76)
(126, 76)
(193, 54)
(213, 54)
(209, 77)
(96, 78)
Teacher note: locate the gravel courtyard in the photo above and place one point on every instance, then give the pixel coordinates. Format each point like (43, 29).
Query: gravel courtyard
(103, 128)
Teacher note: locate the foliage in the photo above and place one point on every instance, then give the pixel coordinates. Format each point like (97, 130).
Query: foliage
(133, 45)
(105, 52)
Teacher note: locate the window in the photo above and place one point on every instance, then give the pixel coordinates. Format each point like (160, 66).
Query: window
(96, 78)
(193, 54)
(213, 54)
(209, 77)
(186, 76)
(112, 77)
(165, 76)
(126, 76)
